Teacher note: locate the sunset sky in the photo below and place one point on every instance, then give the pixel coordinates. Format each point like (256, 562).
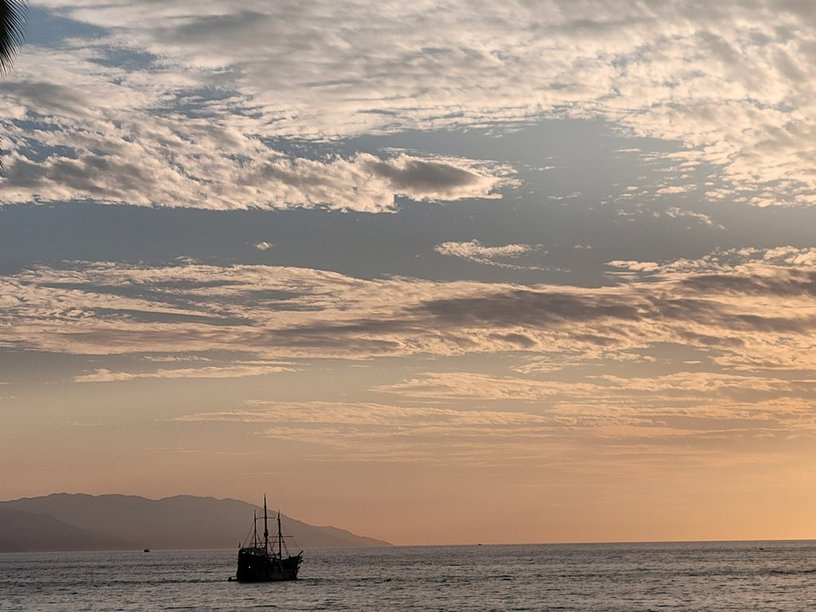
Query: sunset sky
(435, 272)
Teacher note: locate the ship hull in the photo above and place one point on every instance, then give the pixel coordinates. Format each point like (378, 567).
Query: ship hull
(255, 565)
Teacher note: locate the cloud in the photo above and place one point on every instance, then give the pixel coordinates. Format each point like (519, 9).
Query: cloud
(475, 387)
(239, 370)
(680, 354)
(663, 393)
(497, 256)
(700, 218)
(391, 433)
(201, 164)
(499, 431)
(739, 262)
(732, 83)
(422, 179)
(742, 307)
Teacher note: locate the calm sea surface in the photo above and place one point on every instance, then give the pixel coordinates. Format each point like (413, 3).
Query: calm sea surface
(699, 576)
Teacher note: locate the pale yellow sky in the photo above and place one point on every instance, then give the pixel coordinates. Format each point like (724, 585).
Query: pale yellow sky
(498, 470)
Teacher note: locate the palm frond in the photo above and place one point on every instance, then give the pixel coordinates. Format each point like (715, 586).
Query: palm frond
(12, 18)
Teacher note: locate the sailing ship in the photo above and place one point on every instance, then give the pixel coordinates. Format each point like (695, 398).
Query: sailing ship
(264, 561)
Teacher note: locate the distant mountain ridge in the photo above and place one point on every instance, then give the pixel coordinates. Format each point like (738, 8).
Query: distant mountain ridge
(76, 521)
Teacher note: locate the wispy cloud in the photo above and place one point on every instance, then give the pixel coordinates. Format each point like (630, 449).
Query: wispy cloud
(744, 307)
(390, 433)
(662, 392)
(237, 370)
(498, 432)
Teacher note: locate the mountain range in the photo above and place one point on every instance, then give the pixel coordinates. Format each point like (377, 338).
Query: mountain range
(64, 521)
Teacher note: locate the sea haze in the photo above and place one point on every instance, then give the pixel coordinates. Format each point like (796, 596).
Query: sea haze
(726, 575)
(65, 522)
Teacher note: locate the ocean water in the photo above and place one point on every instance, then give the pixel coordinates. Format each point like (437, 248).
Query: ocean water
(693, 576)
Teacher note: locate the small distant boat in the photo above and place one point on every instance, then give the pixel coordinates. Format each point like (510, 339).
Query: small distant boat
(146, 550)
(262, 562)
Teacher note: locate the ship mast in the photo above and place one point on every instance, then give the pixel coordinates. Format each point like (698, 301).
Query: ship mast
(266, 529)
(280, 538)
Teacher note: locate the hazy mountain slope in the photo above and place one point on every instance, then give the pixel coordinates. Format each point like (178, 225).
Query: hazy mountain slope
(29, 532)
(176, 522)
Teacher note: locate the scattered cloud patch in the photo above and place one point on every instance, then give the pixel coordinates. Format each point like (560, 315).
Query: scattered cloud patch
(698, 217)
(741, 262)
(476, 252)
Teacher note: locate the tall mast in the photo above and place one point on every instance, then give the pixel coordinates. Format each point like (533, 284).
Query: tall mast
(280, 538)
(266, 529)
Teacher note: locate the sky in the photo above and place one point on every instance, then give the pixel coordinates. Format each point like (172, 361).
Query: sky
(530, 271)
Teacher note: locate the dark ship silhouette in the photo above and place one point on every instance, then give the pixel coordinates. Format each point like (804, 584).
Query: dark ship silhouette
(260, 562)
